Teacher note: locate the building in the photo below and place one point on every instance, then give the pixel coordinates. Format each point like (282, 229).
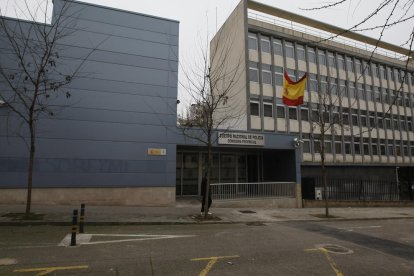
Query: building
(370, 94)
(104, 146)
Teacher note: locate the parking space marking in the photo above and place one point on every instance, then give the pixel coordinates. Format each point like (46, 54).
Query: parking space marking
(47, 270)
(212, 262)
(85, 239)
(329, 248)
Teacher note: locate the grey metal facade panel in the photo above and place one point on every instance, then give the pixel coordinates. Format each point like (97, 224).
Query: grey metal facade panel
(84, 180)
(84, 149)
(123, 104)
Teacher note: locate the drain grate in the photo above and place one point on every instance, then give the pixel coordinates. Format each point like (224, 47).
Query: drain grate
(247, 212)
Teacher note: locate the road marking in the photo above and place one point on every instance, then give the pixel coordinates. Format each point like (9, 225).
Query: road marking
(212, 262)
(85, 239)
(47, 270)
(328, 248)
(359, 227)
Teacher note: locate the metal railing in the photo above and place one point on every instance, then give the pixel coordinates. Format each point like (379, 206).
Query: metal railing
(357, 189)
(323, 35)
(234, 191)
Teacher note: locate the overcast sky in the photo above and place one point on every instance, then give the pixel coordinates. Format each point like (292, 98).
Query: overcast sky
(199, 17)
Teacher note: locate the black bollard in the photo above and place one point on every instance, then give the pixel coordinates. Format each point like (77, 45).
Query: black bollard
(74, 228)
(82, 218)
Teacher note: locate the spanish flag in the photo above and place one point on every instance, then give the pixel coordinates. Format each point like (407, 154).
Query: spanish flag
(293, 92)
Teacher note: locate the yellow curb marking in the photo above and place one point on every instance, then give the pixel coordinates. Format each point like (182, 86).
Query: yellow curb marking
(330, 260)
(47, 270)
(212, 261)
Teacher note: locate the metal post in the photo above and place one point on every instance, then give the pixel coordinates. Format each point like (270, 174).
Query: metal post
(82, 218)
(74, 227)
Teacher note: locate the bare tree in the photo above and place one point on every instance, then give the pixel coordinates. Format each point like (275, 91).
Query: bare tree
(32, 70)
(212, 87)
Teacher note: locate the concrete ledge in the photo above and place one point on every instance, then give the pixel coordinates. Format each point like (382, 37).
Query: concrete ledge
(258, 203)
(352, 203)
(140, 196)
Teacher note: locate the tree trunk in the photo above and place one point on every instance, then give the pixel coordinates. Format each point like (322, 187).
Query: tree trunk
(31, 164)
(324, 182)
(209, 162)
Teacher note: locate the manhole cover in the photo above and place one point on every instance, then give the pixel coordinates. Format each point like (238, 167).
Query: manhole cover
(337, 249)
(247, 212)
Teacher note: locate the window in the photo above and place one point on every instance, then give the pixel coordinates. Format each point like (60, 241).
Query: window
(266, 74)
(253, 71)
(277, 47)
(335, 115)
(293, 114)
(265, 43)
(352, 92)
(334, 86)
(396, 122)
(304, 113)
(278, 75)
(347, 144)
(316, 143)
(306, 143)
(355, 121)
(370, 93)
(268, 109)
(328, 145)
(291, 74)
(391, 73)
(357, 146)
(361, 94)
(390, 147)
(321, 57)
(377, 94)
(382, 147)
(365, 146)
(407, 99)
(254, 108)
(403, 123)
(387, 121)
(383, 72)
(280, 109)
(376, 70)
(405, 148)
(252, 41)
(372, 121)
(358, 65)
(363, 118)
(331, 60)
(412, 148)
(300, 51)
(290, 51)
(313, 82)
(311, 55)
(343, 92)
(385, 95)
(367, 68)
(380, 120)
(412, 79)
(324, 84)
(341, 62)
(338, 144)
(350, 64)
(374, 146)
(345, 116)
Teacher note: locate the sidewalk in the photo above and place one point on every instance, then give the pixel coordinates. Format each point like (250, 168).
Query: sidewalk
(188, 212)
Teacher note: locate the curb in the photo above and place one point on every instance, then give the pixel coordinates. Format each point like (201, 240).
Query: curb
(132, 223)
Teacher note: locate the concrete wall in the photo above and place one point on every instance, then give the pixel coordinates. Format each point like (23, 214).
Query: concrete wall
(228, 57)
(123, 103)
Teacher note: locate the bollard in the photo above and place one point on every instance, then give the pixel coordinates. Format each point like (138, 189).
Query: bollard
(74, 228)
(82, 218)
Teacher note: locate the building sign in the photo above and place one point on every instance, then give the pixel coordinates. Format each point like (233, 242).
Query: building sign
(152, 151)
(242, 139)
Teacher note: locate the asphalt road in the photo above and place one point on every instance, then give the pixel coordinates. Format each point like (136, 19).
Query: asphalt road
(291, 248)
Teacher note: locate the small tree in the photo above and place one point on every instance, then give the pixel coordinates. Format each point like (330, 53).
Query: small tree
(32, 72)
(211, 87)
